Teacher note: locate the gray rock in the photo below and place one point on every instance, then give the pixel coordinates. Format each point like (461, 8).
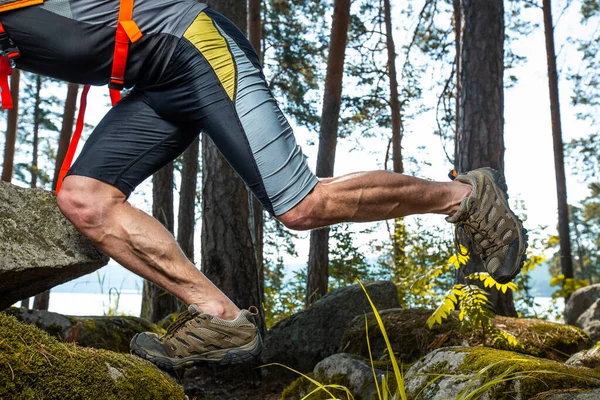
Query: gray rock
(444, 361)
(589, 320)
(351, 372)
(306, 338)
(39, 248)
(586, 358)
(485, 373)
(593, 329)
(580, 301)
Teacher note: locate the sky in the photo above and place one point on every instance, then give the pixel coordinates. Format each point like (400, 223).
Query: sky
(529, 165)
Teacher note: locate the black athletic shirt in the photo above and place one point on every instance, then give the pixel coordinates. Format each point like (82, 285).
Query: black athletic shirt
(74, 40)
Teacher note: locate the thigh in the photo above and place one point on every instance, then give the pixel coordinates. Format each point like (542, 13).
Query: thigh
(130, 144)
(218, 87)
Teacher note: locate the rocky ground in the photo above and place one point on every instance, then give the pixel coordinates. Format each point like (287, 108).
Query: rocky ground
(552, 361)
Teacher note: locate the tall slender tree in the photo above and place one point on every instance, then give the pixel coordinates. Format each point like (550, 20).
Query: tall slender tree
(566, 260)
(256, 209)
(318, 260)
(11, 129)
(480, 111)
(186, 218)
(228, 255)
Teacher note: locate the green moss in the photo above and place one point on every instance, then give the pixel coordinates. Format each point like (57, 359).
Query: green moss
(35, 365)
(536, 375)
(543, 339)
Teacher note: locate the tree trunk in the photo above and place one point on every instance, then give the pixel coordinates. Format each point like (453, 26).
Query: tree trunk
(36, 130)
(66, 130)
(256, 209)
(566, 260)
(318, 259)
(228, 255)
(480, 119)
(186, 218)
(399, 239)
(11, 129)
(156, 302)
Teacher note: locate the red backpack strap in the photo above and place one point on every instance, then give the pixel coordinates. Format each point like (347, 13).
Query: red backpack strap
(8, 53)
(127, 32)
(74, 140)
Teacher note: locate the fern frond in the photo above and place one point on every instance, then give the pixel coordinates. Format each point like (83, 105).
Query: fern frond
(444, 309)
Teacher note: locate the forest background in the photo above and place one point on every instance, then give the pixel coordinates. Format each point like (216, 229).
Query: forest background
(424, 46)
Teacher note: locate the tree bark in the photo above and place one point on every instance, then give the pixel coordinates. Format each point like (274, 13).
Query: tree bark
(228, 255)
(11, 129)
(66, 130)
(156, 302)
(480, 119)
(399, 239)
(36, 130)
(566, 259)
(186, 218)
(256, 209)
(318, 259)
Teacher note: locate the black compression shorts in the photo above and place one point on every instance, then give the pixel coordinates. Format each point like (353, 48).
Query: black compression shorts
(213, 84)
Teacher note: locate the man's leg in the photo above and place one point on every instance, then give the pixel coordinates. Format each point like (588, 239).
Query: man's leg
(373, 196)
(138, 242)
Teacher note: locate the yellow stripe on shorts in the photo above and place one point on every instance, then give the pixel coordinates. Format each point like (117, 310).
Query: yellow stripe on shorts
(203, 34)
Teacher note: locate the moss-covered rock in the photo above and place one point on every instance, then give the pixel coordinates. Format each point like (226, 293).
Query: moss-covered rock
(493, 374)
(586, 358)
(34, 365)
(109, 333)
(411, 338)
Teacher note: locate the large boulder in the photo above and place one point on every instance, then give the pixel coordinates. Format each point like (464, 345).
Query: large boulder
(411, 338)
(110, 333)
(34, 366)
(39, 248)
(348, 371)
(305, 338)
(569, 394)
(580, 301)
(589, 321)
(486, 373)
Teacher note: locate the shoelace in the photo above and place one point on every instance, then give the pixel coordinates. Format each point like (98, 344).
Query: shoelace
(179, 322)
(470, 229)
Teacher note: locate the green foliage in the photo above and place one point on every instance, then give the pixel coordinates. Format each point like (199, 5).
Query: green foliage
(347, 263)
(282, 297)
(475, 311)
(295, 42)
(422, 278)
(568, 286)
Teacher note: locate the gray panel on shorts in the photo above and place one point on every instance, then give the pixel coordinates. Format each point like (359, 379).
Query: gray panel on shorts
(280, 161)
(60, 7)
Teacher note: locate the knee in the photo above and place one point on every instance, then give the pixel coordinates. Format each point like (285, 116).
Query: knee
(304, 216)
(83, 205)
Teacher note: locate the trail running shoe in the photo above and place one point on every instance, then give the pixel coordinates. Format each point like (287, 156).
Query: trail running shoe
(196, 337)
(484, 224)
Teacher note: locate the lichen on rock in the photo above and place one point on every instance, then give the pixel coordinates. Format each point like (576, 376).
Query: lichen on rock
(490, 373)
(35, 365)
